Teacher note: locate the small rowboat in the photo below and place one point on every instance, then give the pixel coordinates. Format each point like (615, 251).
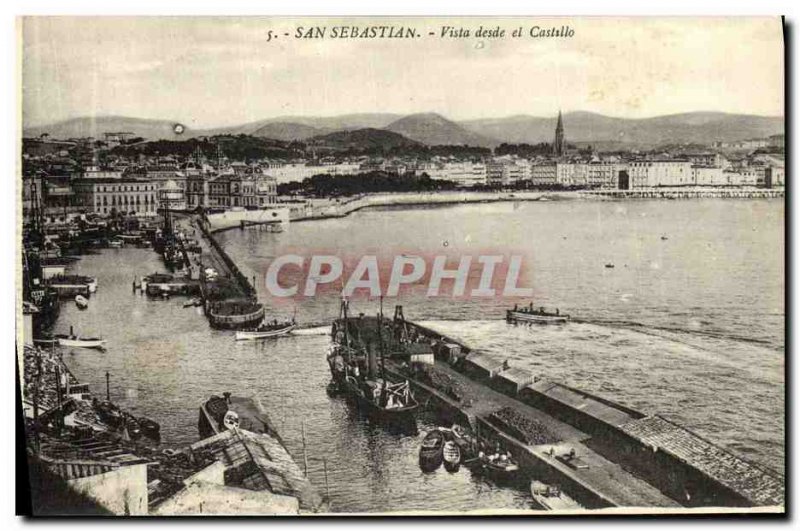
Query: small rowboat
(81, 302)
(264, 333)
(195, 301)
(451, 454)
(498, 467)
(116, 244)
(430, 452)
(76, 341)
(551, 498)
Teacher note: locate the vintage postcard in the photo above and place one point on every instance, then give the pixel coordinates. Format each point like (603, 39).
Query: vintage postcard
(414, 265)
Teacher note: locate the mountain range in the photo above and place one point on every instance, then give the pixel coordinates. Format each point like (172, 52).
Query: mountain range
(435, 129)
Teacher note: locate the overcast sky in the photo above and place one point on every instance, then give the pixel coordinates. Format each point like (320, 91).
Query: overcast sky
(208, 72)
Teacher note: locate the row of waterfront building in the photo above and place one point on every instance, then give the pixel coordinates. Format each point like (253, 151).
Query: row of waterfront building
(613, 173)
(143, 191)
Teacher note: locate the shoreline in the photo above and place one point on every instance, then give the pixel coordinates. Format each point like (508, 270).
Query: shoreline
(317, 209)
(329, 209)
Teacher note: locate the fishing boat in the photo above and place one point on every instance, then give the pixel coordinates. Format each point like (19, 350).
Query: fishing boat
(357, 374)
(65, 340)
(451, 455)
(431, 450)
(552, 498)
(535, 315)
(116, 243)
(609, 266)
(266, 331)
(81, 302)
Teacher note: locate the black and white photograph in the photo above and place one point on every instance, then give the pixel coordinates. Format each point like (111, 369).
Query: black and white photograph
(404, 265)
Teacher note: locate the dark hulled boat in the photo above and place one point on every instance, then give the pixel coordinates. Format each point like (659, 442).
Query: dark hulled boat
(355, 373)
(431, 451)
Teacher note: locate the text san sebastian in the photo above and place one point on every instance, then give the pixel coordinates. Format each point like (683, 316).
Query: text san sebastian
(355, 32)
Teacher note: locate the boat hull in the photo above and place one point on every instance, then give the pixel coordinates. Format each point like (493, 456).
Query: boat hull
(523, 317)
(82, 343)
(451, 455)
(552, 501)
(244, 335)
(430, 452)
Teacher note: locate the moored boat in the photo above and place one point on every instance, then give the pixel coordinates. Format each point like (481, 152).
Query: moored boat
(499, 465)
(81, 302)
(431, 451)
(451, 455)
(359, 372)
(194, 301)
(65, 340)
(265, 331)
(552, 498)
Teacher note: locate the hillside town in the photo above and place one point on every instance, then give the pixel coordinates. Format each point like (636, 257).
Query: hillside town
(79, 176)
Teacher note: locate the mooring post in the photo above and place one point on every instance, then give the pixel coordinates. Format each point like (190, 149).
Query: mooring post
(59, 404)
(327, 489)
(305, 456)
(108, 388)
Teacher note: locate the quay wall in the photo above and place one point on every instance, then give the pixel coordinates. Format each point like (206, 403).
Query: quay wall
(244, 284)
(528, 459)
(607, 423)
(676, 479)
(234, 218)
(526, 456)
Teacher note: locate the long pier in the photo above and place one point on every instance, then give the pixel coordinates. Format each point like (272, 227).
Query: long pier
(229, 299)
(602, 453)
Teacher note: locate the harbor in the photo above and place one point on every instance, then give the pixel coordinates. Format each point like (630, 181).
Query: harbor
(290, 377)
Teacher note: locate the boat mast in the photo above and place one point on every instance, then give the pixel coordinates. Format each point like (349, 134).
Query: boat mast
(380, 342)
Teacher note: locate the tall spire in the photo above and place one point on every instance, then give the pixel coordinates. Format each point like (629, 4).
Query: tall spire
(559, 144)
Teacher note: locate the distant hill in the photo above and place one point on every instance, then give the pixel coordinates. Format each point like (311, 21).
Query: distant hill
(362, 139)
(288, 131)
(95, 126)
(344, 121)
(696, 127)
(434, 129)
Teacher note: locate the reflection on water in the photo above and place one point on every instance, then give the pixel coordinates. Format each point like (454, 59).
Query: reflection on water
(673, 332)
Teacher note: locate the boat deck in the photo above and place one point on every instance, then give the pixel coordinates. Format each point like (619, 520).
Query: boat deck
(602, 477)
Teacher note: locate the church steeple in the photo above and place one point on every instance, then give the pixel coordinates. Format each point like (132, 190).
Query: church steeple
(559, 145)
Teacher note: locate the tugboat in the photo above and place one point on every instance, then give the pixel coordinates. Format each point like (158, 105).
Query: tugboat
(355, 372)
(530, 314)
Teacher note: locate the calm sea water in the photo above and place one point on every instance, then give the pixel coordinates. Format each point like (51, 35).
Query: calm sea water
(690, 326)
